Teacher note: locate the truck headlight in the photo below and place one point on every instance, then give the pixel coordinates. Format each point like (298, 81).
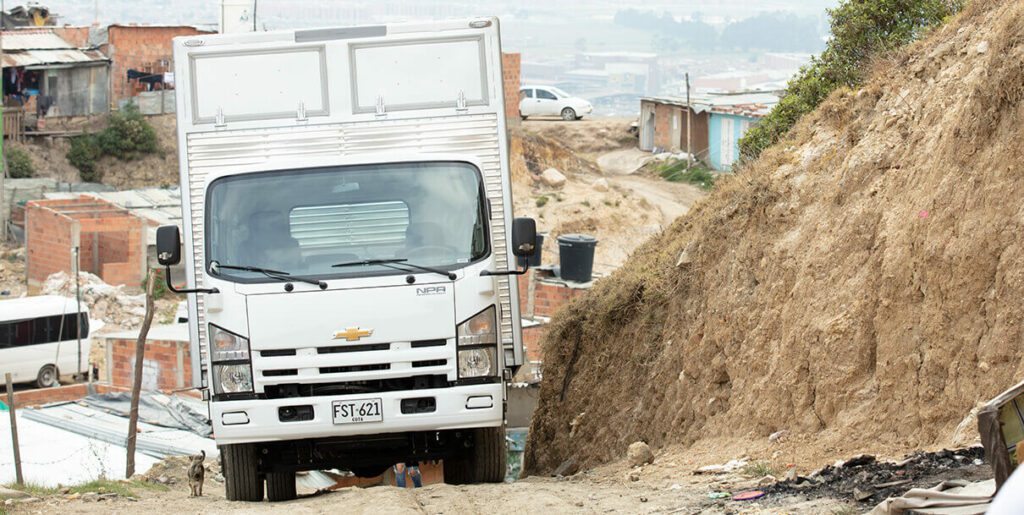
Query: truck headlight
(481, 328)
(232, 378)
(232, 366)
(477, 362)
(227, 346)
(477, 345)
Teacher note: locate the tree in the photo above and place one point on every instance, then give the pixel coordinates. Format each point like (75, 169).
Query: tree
(861, 30)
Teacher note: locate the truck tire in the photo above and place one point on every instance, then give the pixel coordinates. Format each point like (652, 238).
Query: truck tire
(242, 480)
(280, 486)
(484, 463)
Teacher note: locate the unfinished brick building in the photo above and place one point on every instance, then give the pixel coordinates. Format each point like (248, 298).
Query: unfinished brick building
(144, 48)
(112, 241)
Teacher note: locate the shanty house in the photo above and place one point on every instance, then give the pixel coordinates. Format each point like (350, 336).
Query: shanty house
(717, 122)
(44, 75)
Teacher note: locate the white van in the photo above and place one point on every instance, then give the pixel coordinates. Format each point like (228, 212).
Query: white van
(39, 339)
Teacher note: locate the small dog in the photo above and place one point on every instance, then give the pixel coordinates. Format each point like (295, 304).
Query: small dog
(196, 475)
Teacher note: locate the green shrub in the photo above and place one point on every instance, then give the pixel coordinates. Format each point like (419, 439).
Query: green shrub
(84, 153)
(697, 175)
(128, 136)
(19, 163)
(861, 31)
(542, 200)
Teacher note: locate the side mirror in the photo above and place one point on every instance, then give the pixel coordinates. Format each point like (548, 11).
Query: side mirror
(524, 236)
(168, 245)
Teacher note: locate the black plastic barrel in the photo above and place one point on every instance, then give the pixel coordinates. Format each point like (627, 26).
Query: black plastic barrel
(576, 256)
(534, 260)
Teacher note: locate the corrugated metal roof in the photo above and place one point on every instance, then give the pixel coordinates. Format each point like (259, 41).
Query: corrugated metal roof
(33, 39)
(35, 47)
(43, 57)
(751, 105)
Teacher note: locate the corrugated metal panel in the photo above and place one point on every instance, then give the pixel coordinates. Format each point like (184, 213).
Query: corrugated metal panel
(33, 39)
(41, 57)
(476, 135)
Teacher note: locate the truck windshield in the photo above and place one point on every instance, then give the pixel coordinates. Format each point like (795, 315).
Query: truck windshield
(304, 221)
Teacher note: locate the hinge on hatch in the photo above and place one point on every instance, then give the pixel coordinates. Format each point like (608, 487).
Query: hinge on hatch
(218, 120)
(300, 113)
(460, 102)
(380, 107)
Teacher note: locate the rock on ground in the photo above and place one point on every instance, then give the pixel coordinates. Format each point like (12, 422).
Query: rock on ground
(639, 453)
(553, 178)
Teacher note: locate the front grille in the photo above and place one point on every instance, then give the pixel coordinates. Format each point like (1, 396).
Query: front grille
(429, 343)
(430, 363)
(282, 372)
(277, 353)
(355, 368)
(284, 391)
(353, 348)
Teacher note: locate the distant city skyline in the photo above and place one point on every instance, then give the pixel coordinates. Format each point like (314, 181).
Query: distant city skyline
(286, 14)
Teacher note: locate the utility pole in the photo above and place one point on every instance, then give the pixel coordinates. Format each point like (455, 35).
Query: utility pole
(689, 136)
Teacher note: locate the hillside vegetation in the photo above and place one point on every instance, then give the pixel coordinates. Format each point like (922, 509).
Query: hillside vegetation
(860, 285)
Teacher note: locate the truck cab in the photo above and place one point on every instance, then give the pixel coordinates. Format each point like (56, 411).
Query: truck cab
(350, 247)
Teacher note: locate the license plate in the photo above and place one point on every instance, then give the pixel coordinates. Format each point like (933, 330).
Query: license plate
(357, 411)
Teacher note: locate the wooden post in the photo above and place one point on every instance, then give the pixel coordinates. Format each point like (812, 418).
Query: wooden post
(140, 349)
(14, 429)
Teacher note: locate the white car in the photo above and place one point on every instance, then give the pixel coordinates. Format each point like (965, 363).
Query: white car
(551, 101)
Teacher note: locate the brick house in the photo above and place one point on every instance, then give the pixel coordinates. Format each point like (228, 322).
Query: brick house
(142, 48)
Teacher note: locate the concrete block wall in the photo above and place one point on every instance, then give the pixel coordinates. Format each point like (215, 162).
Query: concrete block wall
(140, 48)
(167, 364)
(510, 68)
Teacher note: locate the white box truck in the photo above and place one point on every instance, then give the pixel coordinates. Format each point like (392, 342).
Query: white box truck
(350, 249)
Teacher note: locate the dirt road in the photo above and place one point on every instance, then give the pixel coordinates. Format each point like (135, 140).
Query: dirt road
(667, 486)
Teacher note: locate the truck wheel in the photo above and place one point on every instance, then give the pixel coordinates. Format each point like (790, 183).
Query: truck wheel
(568, 114)
(47, 376)
(484, 463)
(280, 486)
(242, 480)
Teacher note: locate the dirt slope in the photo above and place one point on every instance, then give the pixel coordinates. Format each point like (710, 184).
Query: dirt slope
(861, 285)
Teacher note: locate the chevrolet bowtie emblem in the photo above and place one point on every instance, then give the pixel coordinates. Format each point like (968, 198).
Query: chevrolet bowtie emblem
(352, 334)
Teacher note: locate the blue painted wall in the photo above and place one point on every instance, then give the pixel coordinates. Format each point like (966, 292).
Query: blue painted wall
(716, 151)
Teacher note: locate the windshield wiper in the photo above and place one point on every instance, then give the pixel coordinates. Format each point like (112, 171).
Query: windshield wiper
(273, 274)
(390, 263)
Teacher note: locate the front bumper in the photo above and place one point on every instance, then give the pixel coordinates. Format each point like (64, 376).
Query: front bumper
(262, 424)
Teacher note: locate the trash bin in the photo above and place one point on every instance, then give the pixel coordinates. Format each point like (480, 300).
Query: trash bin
(535, 259)
(576, 257)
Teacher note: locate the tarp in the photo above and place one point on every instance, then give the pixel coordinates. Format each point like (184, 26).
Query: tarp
(160, 410)
(51, 456)
(1001, 424)
(947, 498)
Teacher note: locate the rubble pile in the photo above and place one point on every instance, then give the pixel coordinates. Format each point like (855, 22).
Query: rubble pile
(867, 480)
(108, 303)
(860, 285)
